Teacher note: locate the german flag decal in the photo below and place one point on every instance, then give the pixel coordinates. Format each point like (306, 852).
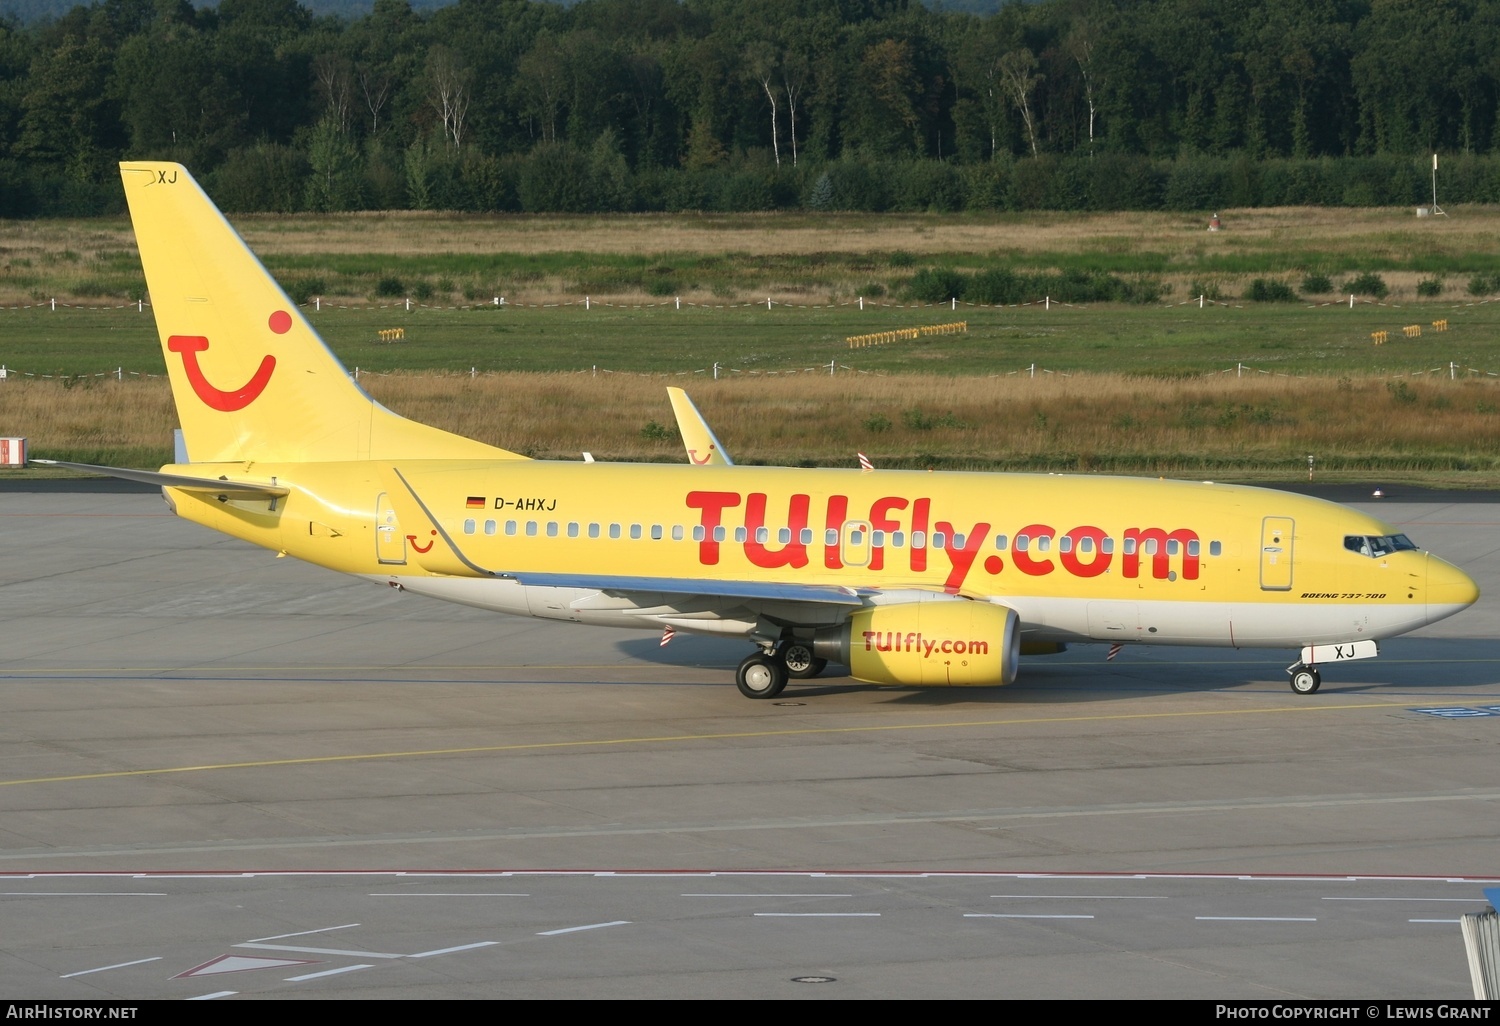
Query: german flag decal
(475, 502)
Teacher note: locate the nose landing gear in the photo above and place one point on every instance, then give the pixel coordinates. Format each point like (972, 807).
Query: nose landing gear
(1305, 679)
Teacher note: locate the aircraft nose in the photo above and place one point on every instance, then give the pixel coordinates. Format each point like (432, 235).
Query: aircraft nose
(1449, 589)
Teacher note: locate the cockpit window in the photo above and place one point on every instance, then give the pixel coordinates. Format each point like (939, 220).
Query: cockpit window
(1376, 546)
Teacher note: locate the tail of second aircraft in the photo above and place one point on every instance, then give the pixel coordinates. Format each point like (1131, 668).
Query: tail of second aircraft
(251, 378)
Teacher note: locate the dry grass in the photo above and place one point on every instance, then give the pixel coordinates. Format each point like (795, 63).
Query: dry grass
(1086, 422)
(1376, 231)
(95, 258)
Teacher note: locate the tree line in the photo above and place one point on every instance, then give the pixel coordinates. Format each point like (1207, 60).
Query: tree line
(757, 104)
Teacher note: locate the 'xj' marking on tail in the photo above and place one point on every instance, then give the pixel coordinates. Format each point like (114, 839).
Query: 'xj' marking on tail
(225, 402)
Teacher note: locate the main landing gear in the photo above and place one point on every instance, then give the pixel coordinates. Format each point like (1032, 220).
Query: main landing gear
(1305, 679)
(800, 661)
(764, 674)
(761, 676)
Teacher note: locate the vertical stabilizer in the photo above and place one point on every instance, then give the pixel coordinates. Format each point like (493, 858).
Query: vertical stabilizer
(251, 378)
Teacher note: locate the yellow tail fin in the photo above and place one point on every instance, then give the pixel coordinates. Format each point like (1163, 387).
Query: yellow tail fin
(251, 378)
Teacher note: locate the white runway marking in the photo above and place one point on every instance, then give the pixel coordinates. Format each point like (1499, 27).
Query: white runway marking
(1018, 915)
(576, 929)
(1254, 919)
(768, 895)
(1471, 901)
(1451, 922)
(1091, 897)
(106, 968)
(327, 972)
(449, 951)
(83, 894)
(215, 994)
(318, 951)
(302, 933)
(818, 915)
(445, 894)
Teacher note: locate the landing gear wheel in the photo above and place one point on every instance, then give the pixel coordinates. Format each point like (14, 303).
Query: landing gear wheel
(760, 676)
(1306, 680)
(800, 661)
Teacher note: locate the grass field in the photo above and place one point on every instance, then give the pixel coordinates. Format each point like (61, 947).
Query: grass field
(1220, 426)
(1234, 389)
(797, 256)
(1330, 340)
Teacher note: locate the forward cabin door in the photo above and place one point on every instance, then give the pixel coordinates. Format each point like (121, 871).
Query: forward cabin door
(1276, 554)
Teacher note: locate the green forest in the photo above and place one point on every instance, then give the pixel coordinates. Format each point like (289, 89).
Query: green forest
(744, 105)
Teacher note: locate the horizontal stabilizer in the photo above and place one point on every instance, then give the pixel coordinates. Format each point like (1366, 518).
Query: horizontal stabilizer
(214, 485)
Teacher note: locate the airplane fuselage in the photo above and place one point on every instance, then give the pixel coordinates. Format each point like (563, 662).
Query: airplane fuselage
(1078, 558)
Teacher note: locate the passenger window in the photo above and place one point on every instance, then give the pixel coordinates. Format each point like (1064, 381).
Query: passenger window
(1023, 542)
(1193, 547)
(740, 534)
(698, 533)
(762, 534)
(614, 530)
(877, 539)
(635, 532)
(593, 530)
(531, 528)
(677, 532)
(1150, 547)
(958, 541)
(468, 527)
(1065, 544)
(831, 536)
(1043, 543)
(784, 535)
(1000, 542)
(1129, 547)
(510, 527)
(918, 540)
(552, 529)
(656, 532)
(1214, 548)
(1085, 544)
(939, 539)
(1107, 546)
(805, 536)
(572, 529)
(897, 539)
(719, 533)
(1173, 546)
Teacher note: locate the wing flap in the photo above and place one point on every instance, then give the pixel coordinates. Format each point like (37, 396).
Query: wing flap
(689, 586)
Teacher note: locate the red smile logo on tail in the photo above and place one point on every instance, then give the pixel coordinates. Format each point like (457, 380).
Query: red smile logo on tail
(216, 398)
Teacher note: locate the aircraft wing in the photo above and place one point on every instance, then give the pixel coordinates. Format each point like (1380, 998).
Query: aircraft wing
(212, 485)
(444, 556)
(827, 594)
(703, 447)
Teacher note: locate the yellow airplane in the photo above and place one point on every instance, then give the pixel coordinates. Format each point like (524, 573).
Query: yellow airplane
(907, 578)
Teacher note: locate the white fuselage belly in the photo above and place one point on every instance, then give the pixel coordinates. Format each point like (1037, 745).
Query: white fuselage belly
(1240, 625)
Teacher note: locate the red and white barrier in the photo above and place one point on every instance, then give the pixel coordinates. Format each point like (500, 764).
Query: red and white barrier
(12, 452)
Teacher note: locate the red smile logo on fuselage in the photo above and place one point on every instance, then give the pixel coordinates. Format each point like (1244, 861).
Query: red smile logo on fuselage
(216, 398)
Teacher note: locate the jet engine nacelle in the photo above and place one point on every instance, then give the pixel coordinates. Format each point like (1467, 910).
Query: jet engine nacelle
(930, 644)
